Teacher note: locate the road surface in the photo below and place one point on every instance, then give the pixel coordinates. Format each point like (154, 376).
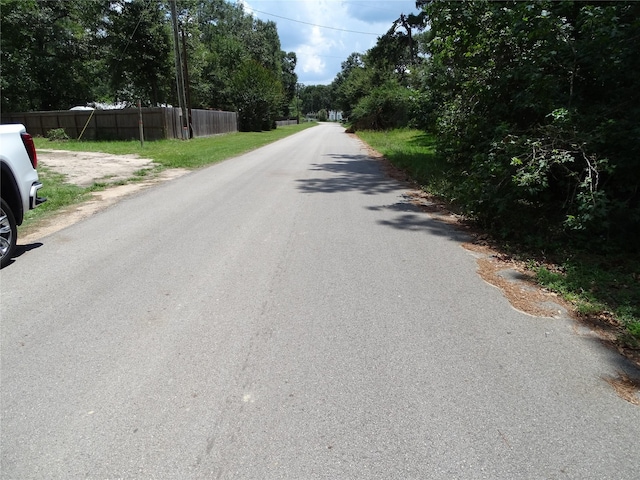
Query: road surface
(290, 314)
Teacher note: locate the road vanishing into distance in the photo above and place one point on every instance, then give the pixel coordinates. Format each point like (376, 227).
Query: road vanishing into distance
(289, 314)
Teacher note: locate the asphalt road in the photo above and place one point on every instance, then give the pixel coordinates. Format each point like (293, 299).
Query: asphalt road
(289, 314)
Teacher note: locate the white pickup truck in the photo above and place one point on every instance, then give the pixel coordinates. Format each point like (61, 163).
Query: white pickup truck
(19, 185)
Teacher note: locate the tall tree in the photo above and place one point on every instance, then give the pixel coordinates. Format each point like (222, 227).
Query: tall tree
(372, 89)
(49, 55)
(139, 45)
(351, 84)
(228, 38)
(316, 97)
(57, 54)
(258, 96)
(289, 79)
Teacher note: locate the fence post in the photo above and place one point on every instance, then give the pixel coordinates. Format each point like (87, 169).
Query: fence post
(140, 126)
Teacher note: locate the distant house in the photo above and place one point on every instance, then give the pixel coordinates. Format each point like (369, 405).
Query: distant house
(335, 116)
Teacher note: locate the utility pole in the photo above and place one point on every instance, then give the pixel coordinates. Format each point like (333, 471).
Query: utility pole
(140, 124)
(182, 102)
(187, 87)
(298, 101)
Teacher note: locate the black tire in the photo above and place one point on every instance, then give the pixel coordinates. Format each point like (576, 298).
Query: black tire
(8, 234)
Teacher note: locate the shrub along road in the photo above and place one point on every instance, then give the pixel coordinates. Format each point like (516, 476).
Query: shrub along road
(291, 314)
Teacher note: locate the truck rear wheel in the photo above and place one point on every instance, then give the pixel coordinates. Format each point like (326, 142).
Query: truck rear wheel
(8, 234)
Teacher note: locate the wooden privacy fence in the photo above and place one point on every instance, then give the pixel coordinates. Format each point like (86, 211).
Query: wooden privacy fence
(158, 123)
(289, 121)
(211, 122)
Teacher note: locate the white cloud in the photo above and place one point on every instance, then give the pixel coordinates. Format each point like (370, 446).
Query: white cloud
(323, 32)
(308, 53)
(311, 62)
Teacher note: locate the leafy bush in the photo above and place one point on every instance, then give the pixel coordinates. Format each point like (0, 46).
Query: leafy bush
(57, 135)
(385, 107)
(258, 97)
(536, 107)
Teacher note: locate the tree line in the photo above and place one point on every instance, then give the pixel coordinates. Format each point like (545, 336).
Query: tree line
(59, 54)
(534, 105)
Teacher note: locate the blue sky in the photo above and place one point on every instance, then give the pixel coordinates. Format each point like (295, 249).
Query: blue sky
(320, 50)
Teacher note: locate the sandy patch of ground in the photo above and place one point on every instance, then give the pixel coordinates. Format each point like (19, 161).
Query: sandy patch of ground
(86, 168)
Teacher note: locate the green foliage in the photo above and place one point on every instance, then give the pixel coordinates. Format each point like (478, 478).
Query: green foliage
(322, 115)
(50, 55)
(534, 106)
(58, 54)
(600, 285)
(385, 107)
(220, 38)
(258, 96)
(315, 98)
(57, 135)
(289, 81)
(414, 152)
(139, 58)
(351, 84)
(378, 90)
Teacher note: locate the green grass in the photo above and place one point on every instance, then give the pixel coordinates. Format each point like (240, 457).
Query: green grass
(59, 194)
(191, 154)
(599, 285)
(596, 285)
(412, 151)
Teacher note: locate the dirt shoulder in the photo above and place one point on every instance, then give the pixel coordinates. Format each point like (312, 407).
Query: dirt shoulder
(86, 168)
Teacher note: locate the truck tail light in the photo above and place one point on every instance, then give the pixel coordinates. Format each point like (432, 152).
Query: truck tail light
(31, 148)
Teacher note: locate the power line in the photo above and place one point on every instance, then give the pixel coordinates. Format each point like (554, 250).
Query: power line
(302, 54)
(142, 12)
(315, 25)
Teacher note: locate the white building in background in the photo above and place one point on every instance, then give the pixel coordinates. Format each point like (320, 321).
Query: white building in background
(335, 116)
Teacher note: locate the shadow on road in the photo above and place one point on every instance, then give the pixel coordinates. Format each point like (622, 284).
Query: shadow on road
(420, 221)
(358, 173)
(367, 175)
(21, 250)
(361, 173)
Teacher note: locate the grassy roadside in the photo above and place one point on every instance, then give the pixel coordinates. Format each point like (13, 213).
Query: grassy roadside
(194, 153)
(604, 289)
(191, 154)
(412, 151)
